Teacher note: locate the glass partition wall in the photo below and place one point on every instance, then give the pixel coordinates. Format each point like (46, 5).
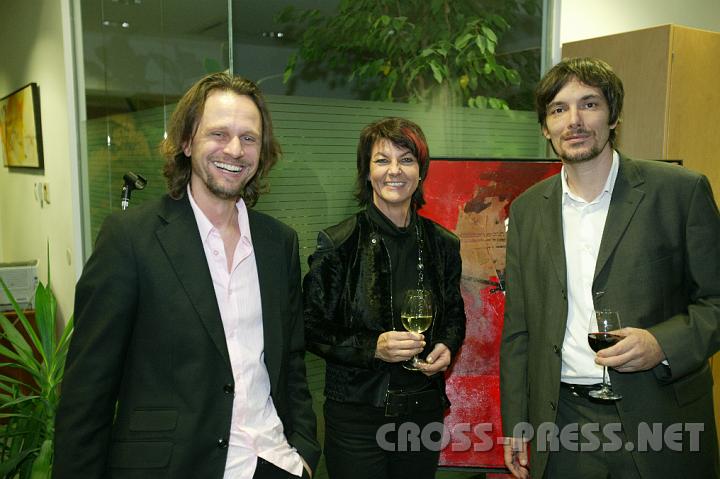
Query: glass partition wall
(139, 56)
(464, 70)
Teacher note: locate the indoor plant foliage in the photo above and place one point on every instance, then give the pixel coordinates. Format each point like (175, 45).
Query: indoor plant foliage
(28, 407)
(431, 51)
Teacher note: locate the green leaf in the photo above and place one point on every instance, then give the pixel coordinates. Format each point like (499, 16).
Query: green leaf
(16, 340)
(461, 42)
(473, 82)
(497, 104)
(42, 465)
(8, 466)
(437, 72)
(481, 43)
(290, 68)
(489, 34)
(45, 312)
(481, 101)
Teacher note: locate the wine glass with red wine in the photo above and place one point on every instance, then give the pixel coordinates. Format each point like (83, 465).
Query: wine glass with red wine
(600, 336)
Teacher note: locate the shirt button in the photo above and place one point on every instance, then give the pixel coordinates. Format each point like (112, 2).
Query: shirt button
(222, 443)
(215, 252)
(228, 389)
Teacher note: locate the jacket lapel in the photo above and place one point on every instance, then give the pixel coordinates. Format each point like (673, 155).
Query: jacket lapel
(181, 242)
(625, 200)
(552, 229)
(268, 261)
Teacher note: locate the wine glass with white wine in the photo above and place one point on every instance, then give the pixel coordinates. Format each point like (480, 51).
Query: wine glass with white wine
(416, 316)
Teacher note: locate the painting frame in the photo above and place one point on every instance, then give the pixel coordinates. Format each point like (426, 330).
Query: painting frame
(471, 197)
(20, 128)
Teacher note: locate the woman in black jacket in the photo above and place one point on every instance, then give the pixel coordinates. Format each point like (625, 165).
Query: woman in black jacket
(381, 419)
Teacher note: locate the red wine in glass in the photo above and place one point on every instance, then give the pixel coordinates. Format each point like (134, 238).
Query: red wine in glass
(600, 341)
(600, 336)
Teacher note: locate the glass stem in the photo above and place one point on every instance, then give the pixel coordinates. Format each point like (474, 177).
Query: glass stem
(605, 384)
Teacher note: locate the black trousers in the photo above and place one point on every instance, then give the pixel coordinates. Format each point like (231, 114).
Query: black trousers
(570, 461)
(361, 442)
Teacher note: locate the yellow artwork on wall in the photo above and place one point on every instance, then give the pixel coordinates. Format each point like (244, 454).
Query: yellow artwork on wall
(20, 131)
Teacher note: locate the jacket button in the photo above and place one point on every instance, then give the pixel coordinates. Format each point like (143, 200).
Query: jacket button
(228, 389)
(557, 349)
(552, 405)
(222, 443)
(598, 294)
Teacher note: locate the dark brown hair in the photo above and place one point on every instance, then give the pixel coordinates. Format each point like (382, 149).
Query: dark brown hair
(403, 134)
(590, 71)
(183, 124)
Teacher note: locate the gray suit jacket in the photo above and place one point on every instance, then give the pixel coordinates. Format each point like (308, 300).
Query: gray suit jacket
(659, 265)
(149, 336)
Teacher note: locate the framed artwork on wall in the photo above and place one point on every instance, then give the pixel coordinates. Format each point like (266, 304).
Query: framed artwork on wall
(20, 130)
(472, 197)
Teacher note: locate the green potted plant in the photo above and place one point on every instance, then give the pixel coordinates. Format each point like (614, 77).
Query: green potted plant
(28, 406)
(439, 52)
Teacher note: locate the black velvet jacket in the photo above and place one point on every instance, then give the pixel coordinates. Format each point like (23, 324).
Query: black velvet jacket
(348, 304)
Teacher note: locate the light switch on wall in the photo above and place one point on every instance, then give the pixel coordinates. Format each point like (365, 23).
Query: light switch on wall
(42, 193)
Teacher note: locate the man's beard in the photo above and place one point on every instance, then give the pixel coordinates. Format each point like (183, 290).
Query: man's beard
(224, 192)
(581, 156)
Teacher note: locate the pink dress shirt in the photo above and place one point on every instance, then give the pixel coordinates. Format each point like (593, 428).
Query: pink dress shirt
(255, 430)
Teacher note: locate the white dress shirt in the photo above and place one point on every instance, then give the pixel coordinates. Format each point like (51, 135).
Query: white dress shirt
(255, 430)
(583, 225)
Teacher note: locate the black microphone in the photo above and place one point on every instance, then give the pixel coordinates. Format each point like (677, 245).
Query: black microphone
(131, 181)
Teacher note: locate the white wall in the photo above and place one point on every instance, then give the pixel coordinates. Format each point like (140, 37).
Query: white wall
(581, 19)
(31, 49)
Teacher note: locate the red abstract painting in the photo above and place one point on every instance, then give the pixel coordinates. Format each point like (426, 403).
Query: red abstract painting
(472, 198)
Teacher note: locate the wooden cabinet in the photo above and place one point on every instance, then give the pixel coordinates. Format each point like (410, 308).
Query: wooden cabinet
(671, 76)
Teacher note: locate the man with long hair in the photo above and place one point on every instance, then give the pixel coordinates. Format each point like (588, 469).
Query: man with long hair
(188, 354)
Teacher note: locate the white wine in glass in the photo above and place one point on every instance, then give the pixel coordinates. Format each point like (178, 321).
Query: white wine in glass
(416, 317)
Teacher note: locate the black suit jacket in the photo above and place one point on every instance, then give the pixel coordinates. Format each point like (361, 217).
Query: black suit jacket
(659, 266)
(149, 338)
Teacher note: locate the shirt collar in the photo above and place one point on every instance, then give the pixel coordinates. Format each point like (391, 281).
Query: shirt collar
(609, 182)
(205, 227)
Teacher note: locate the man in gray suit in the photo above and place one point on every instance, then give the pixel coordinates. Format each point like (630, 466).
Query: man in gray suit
(187, 358)
(638, 237)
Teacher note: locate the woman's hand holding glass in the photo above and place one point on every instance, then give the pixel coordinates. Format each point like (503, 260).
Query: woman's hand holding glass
(437, 361)
(398, 346)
